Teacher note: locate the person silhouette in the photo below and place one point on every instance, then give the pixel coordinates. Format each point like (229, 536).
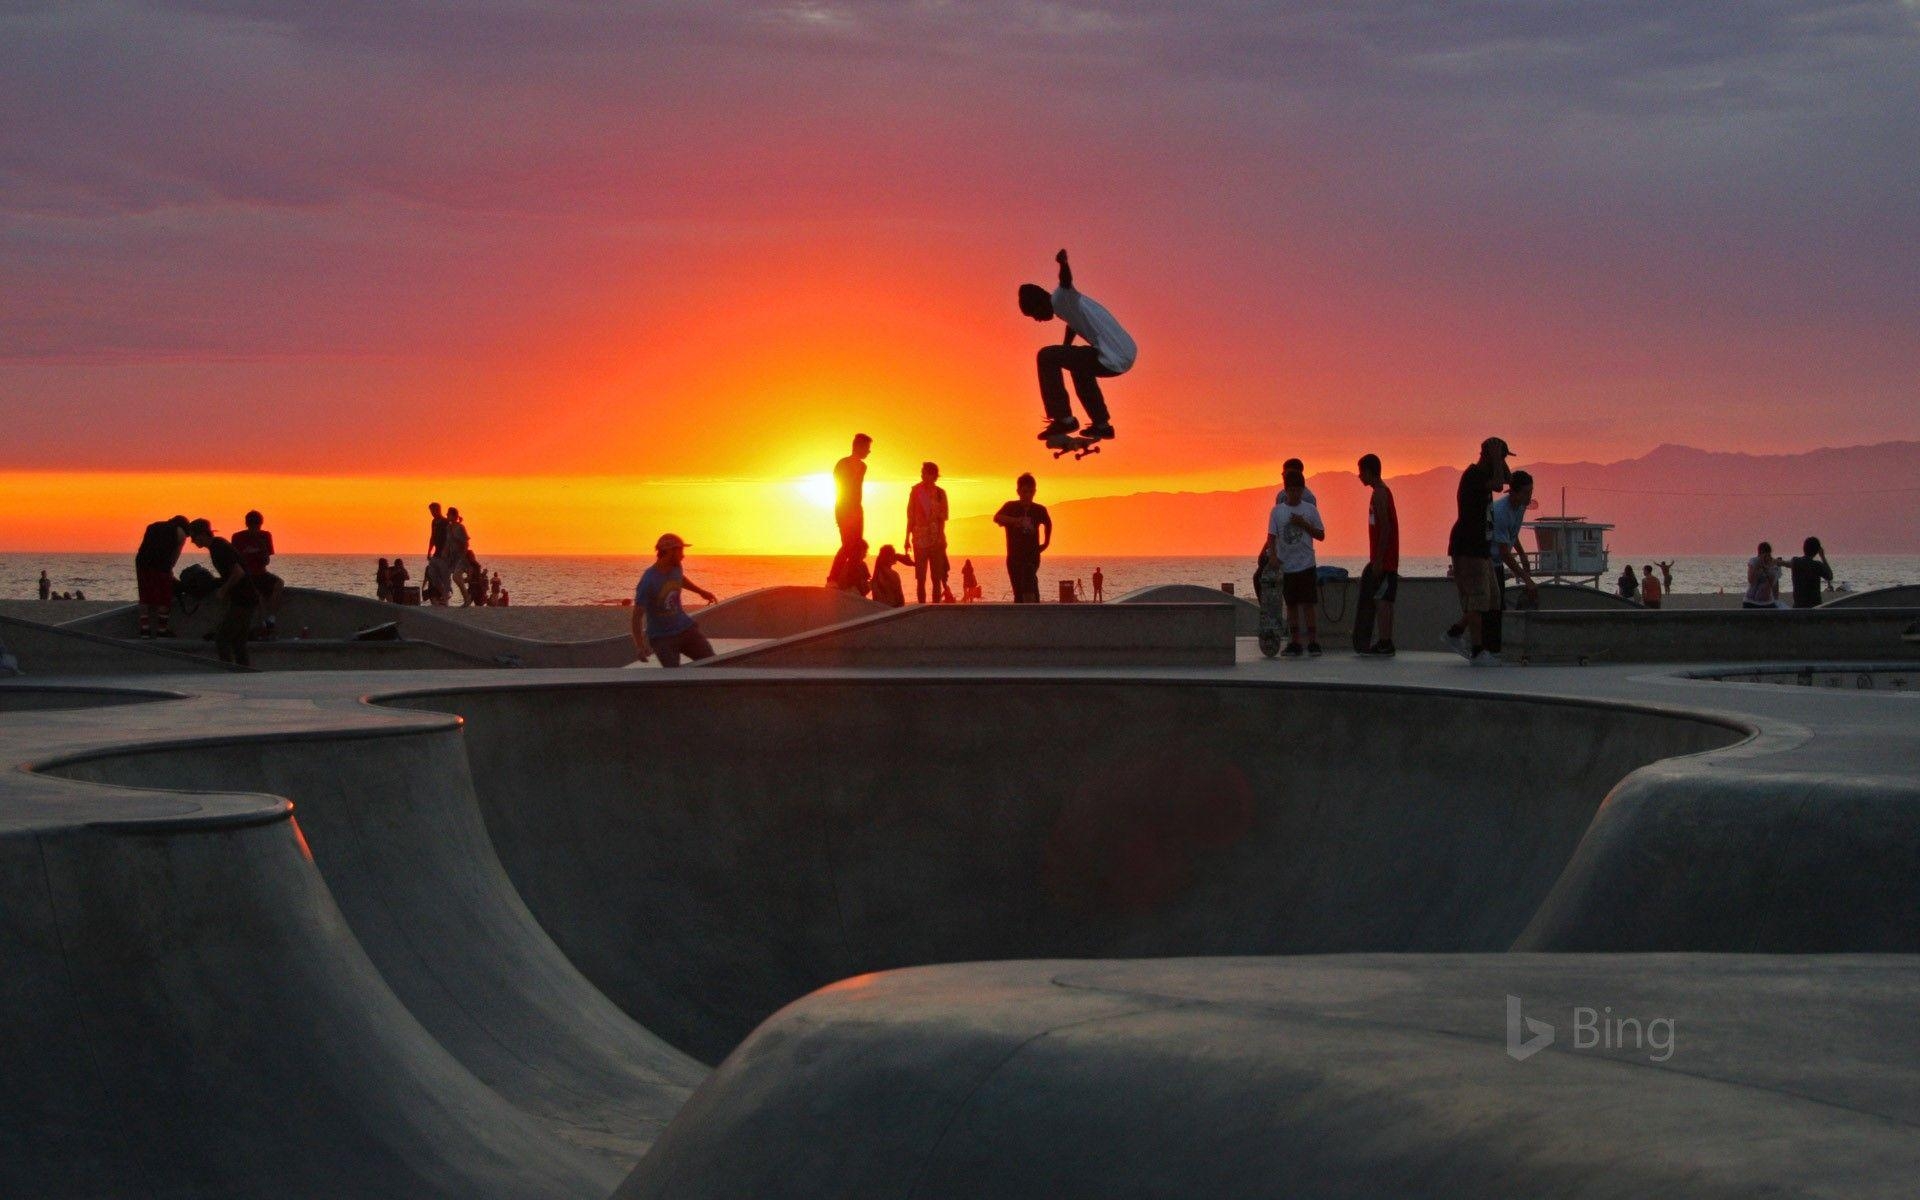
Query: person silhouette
(1109, 351)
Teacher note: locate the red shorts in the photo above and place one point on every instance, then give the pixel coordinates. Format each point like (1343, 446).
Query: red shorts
(156, 586)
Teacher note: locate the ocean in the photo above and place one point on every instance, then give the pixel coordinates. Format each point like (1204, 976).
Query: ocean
(534, 579)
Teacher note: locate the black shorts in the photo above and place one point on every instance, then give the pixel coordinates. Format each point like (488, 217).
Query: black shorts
(1300, 587)
(689, 643)
(1382, 587)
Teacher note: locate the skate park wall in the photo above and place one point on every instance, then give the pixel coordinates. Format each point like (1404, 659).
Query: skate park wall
(1009, 635)
(1849, 634)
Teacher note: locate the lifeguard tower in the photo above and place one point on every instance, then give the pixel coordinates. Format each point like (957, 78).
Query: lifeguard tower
(1569, 548)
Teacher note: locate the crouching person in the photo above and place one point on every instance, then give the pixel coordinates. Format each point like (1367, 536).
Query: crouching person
(236, 593)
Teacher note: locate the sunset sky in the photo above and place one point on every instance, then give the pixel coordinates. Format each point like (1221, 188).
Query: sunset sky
(594, 270)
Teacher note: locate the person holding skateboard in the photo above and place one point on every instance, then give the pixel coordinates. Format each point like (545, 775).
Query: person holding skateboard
(1380, 580)
(1109, 351)
(1292, 529)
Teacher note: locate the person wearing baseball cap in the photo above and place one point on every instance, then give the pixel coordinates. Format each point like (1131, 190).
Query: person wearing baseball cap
(660, 625)
(1469, 545)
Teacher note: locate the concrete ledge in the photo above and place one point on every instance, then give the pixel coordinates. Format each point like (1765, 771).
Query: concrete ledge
(1011, 635)
(1899, 596)
(1734, 635)
(55, 650)
(1246, 614)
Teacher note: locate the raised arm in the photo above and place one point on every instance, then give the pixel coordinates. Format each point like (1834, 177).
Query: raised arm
(696, 589)
(1066, 272)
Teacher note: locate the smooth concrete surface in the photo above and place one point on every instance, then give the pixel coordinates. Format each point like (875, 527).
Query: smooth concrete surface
(1740, 635)
(1428, 606)
(48, 650)
(1900, 596)
(1319, 1077)
(1246, 614)
(1009, 635)
(412, 992)
(328, 654)
(778, 612)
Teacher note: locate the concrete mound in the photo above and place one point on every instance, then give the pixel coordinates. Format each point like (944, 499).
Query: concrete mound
(1246, 614)
(777, 612)
(1903, 596)
(62, 650)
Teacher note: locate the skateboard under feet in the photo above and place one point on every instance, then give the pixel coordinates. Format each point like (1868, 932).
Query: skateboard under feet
(1077, 444)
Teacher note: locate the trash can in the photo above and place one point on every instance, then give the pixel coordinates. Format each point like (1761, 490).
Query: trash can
(1227, 588)
(1066, 591)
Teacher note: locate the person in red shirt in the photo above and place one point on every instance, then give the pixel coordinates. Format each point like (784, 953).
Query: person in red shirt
(1381, 578)
(254, 545)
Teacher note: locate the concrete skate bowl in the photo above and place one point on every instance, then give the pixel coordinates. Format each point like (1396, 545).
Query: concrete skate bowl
(1898, 679)
(1899, 596)
(20, 698)
(1246, 614)
(707, 850)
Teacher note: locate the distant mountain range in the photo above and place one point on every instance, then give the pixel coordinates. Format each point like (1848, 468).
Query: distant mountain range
(1673, 500)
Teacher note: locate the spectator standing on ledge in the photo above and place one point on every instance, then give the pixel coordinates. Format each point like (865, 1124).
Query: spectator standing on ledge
(849, 504)
(660, 625)
(383, 581)
(1381, 577)
(1470, 547)
(153, 567)
(1809, 570)
(1763, 579)
(1099, 586)
(1023, 520)
(1292, 529)
(1650, 589)
(236, 591)
(926, 541)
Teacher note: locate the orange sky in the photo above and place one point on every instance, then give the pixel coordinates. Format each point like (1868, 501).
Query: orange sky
(594, 271)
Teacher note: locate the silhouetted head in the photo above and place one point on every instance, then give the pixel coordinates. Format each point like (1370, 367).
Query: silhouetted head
(453, 514)
(1811, 547)
(1766, 547)
(1024, 487)
(201, 531)
(671, 548)
(1293, 483)
(1646, 570)
(383, 564)
(434, 508)
(255, 520)
(179, 522)
(1369, 469)
(1293, 464)
(862, 445)
(1494, 452)
(1036, 302)
(1520, 487)
(887, 556)
(929, 472)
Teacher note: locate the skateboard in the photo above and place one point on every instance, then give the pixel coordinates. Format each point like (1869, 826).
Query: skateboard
(1075, 444)
(1273, 611)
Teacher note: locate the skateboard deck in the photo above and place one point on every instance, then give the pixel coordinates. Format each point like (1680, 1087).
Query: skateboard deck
(1075, 444)
(1273, 611)
(1363, 612)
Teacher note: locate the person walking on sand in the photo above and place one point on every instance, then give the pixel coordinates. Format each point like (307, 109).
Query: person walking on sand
(236, 591)
(926, 541)
(153, 567)
(1470, 549)
(1380, 578)
(1023, 520)
(1109, 351)
(254, 545)
(886, 580)
(660, 625)
(1293, 527)
(1099, 586)
(849, 511)
(1650, 589)
(1809, 569)
(1763, 579)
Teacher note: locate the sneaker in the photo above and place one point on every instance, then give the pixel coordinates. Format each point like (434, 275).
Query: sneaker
(1485, 658)
(1457, 642)
(1056, 428)
(1313, 649)
(1379, 650)
(1099, 433)
(1292, 650)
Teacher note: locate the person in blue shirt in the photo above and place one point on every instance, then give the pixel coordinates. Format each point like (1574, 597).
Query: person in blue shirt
(660, 625)
(1507, 518)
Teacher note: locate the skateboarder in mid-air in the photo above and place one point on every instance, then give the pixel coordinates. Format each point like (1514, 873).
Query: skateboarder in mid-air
(1109, 351)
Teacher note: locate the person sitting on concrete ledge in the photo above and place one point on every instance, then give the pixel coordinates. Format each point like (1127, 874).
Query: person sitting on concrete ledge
(1763, 579)
(886, 580)
(660, 625)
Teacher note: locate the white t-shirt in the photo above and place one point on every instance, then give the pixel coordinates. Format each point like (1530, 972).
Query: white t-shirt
(1292, 544)
(1085, 316)
(1765, 589)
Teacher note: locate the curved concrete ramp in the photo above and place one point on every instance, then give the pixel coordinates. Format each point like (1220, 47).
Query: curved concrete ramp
(705, 888)
(1246, 614)
(60, 650)
(777, 612)
(1314, 1077)
(1902, 596)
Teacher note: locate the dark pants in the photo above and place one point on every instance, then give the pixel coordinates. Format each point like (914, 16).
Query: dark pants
(853, 526)
(1083, 363)
(230, 635)
(691, 645)
(1024, 574)
(930, 562)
